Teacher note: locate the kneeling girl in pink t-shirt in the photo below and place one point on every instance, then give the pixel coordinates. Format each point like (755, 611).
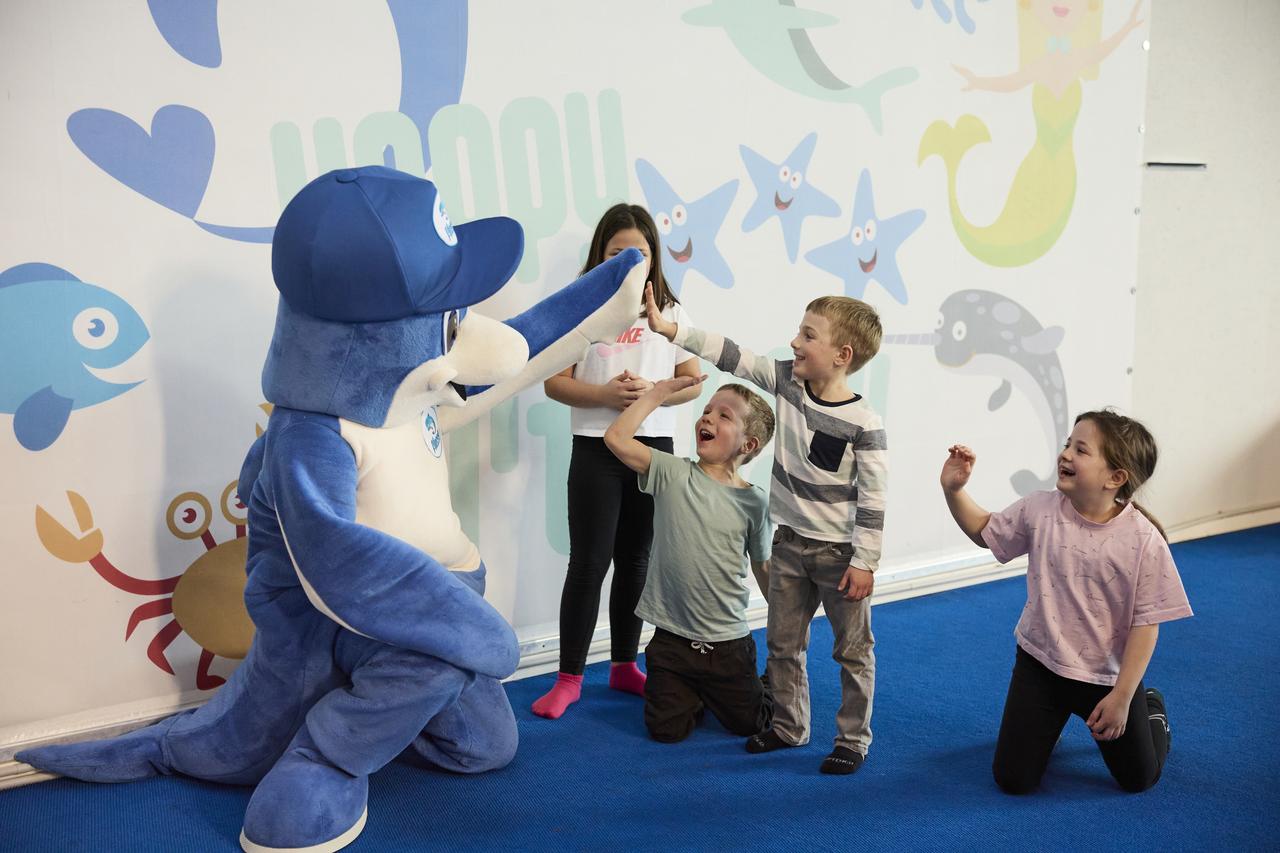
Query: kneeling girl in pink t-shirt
(1100, 579)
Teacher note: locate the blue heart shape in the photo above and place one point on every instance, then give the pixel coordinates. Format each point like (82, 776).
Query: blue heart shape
(170, 165)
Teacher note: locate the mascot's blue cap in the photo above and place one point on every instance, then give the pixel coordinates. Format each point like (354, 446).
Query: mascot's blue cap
(373, 244)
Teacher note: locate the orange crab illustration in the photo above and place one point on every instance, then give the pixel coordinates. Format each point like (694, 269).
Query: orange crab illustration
(206, 600)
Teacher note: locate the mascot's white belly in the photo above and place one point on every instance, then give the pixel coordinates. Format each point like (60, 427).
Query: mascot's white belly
(403, 488)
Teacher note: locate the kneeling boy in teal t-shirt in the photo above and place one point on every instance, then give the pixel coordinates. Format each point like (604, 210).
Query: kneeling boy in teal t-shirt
(707, 521)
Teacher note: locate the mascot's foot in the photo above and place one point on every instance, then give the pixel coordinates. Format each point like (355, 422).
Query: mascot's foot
(137, 755)
(305, 803)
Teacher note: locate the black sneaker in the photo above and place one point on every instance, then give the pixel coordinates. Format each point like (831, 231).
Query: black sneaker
(842, 761)
(1156, 711)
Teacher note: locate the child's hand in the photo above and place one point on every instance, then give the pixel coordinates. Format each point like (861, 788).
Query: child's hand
(667, 387)
(957, 468)
(1107, 722)
(624, 389)
(656, 322)
(856, 583)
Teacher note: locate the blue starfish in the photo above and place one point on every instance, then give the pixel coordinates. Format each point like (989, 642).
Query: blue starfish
(783, 192)
(869, 252)
(688, 229)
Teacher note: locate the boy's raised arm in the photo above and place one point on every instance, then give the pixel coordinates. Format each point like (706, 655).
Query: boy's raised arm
(620, 437)
(719, 350)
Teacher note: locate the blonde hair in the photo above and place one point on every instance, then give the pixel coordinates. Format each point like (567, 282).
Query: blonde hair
(1032, 35)
(1127, 446)
(854, 324)
(759, 421)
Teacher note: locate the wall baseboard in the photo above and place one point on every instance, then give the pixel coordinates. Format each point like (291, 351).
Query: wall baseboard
(1227, 522)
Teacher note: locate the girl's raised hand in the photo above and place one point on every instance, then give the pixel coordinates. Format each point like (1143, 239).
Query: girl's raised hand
(657, 323)
(957, 468)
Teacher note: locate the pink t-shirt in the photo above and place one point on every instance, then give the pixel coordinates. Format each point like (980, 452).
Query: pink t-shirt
(1088, 584)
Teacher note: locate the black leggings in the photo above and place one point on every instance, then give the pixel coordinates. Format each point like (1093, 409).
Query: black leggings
(1039, 704)
(610, 519)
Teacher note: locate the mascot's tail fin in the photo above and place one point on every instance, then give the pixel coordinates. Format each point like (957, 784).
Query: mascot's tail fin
(137, 755)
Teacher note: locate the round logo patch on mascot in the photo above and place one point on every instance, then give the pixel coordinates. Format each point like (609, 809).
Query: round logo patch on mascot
(444, 227)
(431, 433)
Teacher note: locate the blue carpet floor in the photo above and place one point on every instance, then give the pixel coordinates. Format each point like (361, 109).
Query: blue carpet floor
(593, 781)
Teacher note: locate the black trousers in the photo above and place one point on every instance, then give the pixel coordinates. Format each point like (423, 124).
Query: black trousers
(1039, 704)
(610, 520)
(686, 677)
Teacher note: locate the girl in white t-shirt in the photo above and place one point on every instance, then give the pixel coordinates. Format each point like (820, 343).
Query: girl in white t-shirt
(1100, 580)
(610, 519)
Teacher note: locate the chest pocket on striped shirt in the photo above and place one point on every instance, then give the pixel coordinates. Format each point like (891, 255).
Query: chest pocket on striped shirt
(826, 451)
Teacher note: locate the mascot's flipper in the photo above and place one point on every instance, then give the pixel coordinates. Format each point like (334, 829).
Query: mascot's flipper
(558, 330)
(136, 755)
(369, 582)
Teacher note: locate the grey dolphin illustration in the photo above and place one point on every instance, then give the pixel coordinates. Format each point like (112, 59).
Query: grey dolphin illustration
(985, 333)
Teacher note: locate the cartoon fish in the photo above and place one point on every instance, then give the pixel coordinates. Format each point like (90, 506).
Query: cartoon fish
(56, 334)
(771, 35)
(988, 334)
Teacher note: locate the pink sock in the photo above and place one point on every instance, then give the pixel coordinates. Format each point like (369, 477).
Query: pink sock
(563, 693)
(627, 677)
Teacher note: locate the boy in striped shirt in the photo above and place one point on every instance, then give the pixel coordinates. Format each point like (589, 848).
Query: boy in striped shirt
(827, 499)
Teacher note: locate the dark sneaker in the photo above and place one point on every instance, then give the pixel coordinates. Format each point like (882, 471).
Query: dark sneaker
(842, 761)
(1156, 711)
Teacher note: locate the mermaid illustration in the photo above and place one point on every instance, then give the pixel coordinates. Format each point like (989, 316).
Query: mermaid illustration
(1060, 44)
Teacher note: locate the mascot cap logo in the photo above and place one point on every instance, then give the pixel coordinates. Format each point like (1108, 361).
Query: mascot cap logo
(374, 244)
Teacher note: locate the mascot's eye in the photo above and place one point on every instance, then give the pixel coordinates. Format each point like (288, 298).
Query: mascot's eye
(796, 179)
(664, 223)
(784, 174)
(450, 330)
(959, 330)
(678, 214)
(870, 229)
(95, 328)
(856, 236)
(940, 321)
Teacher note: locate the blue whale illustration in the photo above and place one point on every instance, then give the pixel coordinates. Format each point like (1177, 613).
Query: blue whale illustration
(985, 333)
(55, 330)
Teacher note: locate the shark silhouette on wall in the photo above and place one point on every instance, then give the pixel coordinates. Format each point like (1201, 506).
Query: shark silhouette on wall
(771, 35)
(988, 334)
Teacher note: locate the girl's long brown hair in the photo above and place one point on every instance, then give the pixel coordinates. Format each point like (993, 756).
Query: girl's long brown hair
(620, 217)
(1127, 446)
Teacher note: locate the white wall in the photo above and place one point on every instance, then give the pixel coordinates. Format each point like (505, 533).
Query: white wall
(557, 105)
(1206, 376)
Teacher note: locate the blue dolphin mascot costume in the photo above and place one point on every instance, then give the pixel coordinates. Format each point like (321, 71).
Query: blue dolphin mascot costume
(374, 640)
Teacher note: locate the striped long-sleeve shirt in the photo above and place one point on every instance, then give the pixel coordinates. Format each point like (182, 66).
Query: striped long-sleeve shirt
(830, 463)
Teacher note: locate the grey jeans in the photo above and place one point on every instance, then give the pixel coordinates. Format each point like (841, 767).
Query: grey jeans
(802, 573)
